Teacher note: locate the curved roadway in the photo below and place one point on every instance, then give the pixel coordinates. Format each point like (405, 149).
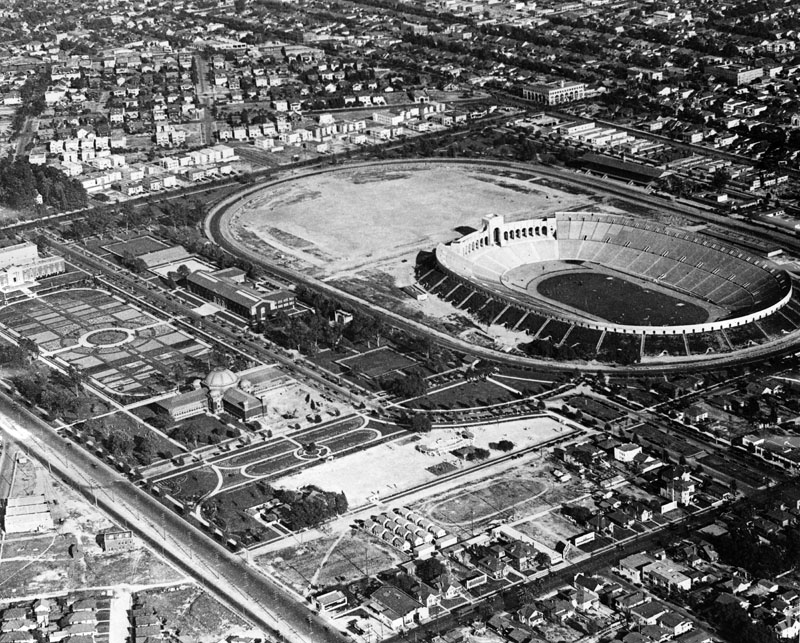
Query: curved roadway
(217, 229)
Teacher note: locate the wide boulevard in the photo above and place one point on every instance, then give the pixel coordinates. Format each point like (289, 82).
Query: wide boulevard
(226, 576)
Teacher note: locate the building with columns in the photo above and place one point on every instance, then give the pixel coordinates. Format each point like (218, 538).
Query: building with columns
(223, 391)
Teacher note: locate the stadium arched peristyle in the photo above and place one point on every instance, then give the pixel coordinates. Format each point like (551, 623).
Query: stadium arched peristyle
(617, 274)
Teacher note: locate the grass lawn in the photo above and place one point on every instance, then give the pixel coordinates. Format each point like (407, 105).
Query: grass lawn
(619, 301)
(136, 247)
(189, 487)
(591, 406)
(377, 363)
(465, 395)
(267, 450)
(344, 442)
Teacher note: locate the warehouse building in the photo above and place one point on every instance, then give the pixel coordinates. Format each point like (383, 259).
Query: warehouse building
(27, 514)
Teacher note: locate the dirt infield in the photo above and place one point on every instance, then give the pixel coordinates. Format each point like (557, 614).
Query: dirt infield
(495, 499)
(347, 220)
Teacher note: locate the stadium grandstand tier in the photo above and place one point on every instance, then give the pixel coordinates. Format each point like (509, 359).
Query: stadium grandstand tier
(511, 317)
(698, 284)
(659, 345)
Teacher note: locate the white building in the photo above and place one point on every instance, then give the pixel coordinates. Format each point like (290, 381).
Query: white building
(555, 93)
(27, 514)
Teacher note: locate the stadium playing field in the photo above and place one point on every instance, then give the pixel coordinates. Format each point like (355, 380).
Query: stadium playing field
(619, 301)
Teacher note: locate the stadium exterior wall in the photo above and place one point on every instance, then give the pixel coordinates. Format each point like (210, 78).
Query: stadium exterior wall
(452, 258)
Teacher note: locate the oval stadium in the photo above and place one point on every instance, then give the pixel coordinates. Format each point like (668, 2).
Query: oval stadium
(586, 285)
(588, 289)
(618, 274)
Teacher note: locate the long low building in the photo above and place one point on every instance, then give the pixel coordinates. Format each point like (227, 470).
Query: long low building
(240, 299)
(626, 170)
(27, 514)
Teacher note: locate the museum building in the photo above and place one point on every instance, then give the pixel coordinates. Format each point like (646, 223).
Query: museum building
(223, 391)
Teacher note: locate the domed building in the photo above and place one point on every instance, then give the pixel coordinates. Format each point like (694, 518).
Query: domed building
(223, 391)
(220, 379)
(218, 382)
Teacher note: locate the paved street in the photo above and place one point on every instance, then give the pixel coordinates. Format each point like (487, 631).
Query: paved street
(226, 576)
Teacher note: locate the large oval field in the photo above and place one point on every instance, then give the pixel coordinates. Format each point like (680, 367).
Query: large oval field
(339, 222)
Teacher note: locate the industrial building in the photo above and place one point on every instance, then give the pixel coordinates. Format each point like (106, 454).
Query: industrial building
(27, 514)
(226, 288)
(735, 74)
(554, 93)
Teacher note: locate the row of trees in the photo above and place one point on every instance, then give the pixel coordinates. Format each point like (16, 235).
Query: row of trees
(123, 439)
(32, 95)
(503, 445)
(416, 422)
(548, 349)
(56, 393)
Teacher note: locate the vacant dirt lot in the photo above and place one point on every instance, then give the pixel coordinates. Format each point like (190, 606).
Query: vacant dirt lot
(525, 490)
(548, 529)
(70, 557)
(331, 559)
(497, 498)
(193, 614)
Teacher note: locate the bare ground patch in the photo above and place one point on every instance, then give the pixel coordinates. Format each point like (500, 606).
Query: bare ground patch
(548, 529)
(354, 556)
(194, 614)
